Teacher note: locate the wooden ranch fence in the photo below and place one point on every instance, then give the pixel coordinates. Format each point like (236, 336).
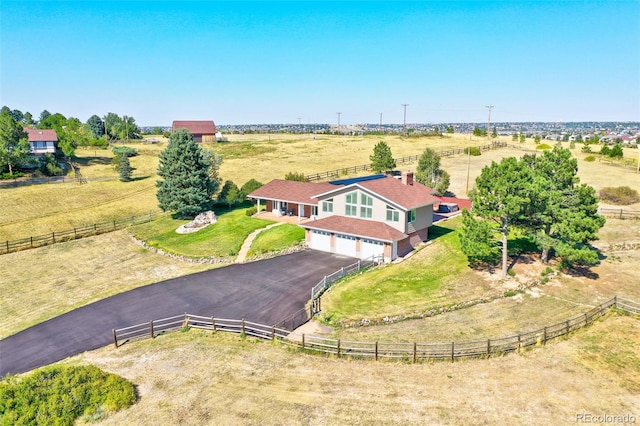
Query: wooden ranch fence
(410, 159)
(376, 350)
(75, 233)
(620, 213)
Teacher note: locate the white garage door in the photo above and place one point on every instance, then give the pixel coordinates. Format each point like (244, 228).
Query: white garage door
(345, 245)
(370, 248)
(320, 241)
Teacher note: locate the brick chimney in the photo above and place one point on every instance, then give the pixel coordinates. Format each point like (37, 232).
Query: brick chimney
(407, 178)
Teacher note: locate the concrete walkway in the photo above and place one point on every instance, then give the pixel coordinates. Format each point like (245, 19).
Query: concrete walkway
(242, 256)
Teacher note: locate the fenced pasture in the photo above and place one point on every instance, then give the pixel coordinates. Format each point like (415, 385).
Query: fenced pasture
(414, 351)
(10, 246)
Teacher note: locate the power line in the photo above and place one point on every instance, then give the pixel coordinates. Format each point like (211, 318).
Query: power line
(404, 121)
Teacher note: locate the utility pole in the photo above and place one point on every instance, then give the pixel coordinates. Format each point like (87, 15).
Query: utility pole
(404, 121)
(380, 126)
(489, 122)
(339, 113)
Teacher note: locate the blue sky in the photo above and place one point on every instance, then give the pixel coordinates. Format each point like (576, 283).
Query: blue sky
(289, 62)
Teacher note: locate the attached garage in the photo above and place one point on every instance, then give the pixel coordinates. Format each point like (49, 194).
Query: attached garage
(346, 245)
(320, 240)
(370, 248)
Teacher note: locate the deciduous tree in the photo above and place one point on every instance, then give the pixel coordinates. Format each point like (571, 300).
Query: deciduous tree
(14, 142)
(430, 174)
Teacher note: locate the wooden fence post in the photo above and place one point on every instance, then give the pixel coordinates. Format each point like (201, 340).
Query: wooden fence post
(8, 244)
(53, 236)
(376, 350)
(338, 348)
(615, 301)
(243, 326)
(115, 338)
(151, 328)
(273, 332)
(114, 225)
(452, 350)
(519, 342)
(302, 341)
(488, 346)
(213, 323)
(544, 339)
(75, 235)
(568, 326)
(415, 351)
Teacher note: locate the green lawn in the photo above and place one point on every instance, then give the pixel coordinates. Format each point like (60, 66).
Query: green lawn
(224, 238)
(277, 238)
(435, 276)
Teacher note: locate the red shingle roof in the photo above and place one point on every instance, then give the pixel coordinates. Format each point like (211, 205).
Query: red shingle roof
(196, 127)
(406, 196)
(41, 135)
(292, 191)
(357, 228)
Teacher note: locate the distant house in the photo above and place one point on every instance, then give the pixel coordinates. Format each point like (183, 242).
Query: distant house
(202, 131)
(359, 217)
(42, 141)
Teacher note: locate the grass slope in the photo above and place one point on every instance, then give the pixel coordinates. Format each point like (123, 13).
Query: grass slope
(437, 275)
(223, 238)
(277, 238)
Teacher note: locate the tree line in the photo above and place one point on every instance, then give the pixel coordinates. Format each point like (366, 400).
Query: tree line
(71, 132)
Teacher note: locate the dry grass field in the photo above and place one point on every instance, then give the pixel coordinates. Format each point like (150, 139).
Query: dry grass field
(200, 378)
(42, 283)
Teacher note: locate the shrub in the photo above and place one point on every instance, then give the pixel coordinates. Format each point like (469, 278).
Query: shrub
(586, 148)
(300, 177)
(61, 394)
(616, 151)
(251, 211)
(122, 150)
(49, 165)
(605, 150)
(6, 176)
(590, 158)
(511, 272)
(621, 195)
(475, 151)
(572, 145)
(543, 146)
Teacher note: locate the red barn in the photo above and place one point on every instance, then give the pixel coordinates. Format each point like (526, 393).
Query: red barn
(202, 131)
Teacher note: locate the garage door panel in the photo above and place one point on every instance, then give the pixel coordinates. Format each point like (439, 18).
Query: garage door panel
(345, 245)
(320, 241)
(370, 248)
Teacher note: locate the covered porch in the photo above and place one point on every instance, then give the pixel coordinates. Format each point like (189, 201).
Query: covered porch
(270, 215)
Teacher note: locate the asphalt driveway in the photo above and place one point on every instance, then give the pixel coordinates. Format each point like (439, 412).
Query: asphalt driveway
(263, 292)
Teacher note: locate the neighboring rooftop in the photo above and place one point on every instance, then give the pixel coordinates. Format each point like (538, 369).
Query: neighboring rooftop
(41, 135)
(200, 127)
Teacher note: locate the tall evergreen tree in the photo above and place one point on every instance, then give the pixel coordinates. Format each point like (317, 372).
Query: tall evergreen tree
(382, 159)
(186, 188)
(502, 193)
(125, 169)
(562, 214)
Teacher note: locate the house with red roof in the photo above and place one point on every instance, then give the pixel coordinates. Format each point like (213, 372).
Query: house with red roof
(202, 131)
(42, 141)
(358, 217)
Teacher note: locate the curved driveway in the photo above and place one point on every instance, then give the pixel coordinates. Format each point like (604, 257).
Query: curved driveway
(264, 292)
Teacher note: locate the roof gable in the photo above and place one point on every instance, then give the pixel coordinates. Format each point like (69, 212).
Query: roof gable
(196, 127)
(391, 190)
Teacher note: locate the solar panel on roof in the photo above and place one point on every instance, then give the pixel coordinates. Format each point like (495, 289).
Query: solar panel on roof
(357, 179)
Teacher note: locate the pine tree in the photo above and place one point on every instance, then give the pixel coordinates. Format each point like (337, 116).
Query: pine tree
(382, 159)
(187, 187)
(124, 169)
